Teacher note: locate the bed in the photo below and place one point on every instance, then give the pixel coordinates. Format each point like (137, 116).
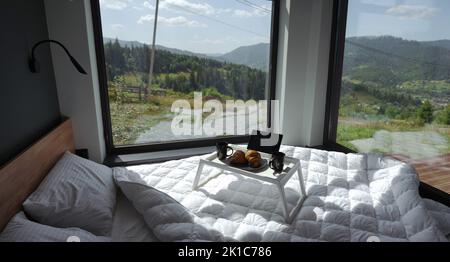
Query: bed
(350, 197)
(22, 176)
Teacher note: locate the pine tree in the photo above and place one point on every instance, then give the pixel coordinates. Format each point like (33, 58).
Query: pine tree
(193, 82)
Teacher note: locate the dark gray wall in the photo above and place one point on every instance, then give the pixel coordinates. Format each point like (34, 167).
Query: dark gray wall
(28, 102)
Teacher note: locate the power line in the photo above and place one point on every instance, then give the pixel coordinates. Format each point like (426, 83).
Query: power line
(254, 6)
(257, 6)
(397, 56)
(220, 21)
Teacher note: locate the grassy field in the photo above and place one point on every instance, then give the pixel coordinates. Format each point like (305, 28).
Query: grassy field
(128, 122)
(353, 129)
(363, 113)
(131, 117)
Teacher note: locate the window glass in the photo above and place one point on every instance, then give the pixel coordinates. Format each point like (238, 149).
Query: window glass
(206, 52)
(396, 84)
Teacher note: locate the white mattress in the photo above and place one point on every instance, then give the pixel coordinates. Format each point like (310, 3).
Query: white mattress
(128, 224)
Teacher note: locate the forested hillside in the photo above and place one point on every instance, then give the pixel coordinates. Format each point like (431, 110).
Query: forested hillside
(184, 73)
(397, 66)
(255, 56)
(395, 60)
(394, 84)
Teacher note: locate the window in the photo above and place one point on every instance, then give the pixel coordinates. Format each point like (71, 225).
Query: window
(171, 70)
(390, 83)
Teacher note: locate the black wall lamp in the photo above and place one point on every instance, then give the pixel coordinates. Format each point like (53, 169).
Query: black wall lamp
(34, 64)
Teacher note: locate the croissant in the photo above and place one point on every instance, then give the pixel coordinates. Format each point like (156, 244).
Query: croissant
(238, 158)
(253, 158)
(254, 162)
(252, 153)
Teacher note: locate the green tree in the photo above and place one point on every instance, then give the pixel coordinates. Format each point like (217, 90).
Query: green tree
(425, 112)
(167, 83)
(443, 116)
(193, 81)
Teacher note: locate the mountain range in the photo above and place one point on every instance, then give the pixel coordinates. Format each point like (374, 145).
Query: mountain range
(255, 56)
(390, 60)
(438, 43)
(394, 66)
(403, 56)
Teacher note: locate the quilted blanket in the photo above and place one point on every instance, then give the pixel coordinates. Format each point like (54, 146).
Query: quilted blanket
(350, 197)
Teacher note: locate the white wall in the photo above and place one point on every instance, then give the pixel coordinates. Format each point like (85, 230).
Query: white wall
(70, 22)
(305, 33)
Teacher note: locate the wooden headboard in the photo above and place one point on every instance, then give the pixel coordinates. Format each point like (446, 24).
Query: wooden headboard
(21, 176)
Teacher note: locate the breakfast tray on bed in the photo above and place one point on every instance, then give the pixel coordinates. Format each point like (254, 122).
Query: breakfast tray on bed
(291, 167)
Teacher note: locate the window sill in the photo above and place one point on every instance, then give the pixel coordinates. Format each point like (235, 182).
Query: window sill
(120, 160)
(155, 157)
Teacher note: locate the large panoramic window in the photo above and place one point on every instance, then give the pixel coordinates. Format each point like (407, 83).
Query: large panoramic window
(395, 88)
(180, 70)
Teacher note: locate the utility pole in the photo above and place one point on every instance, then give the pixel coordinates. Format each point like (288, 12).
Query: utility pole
(152, 57)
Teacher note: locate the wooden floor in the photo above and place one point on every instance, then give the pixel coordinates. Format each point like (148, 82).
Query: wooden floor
(433, 171)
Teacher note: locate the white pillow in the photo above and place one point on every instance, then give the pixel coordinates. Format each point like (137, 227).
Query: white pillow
(76, 193)
(128, 224)
(169, 220)
(20, 229)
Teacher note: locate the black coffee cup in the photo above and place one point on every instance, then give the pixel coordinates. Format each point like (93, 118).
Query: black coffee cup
(277, 161)
(222, 150)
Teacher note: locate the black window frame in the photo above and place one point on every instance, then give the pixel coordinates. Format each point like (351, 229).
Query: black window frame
(336, 62)
(112, 149)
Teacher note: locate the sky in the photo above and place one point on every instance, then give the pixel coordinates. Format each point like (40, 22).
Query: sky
(421, 20)
(202, 26)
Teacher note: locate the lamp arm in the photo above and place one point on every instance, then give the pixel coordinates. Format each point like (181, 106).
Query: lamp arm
(72, 59)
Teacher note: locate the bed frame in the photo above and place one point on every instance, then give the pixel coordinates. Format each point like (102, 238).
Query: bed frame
(21, 176)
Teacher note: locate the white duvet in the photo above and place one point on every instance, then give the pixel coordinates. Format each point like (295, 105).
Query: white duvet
(354, 197)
